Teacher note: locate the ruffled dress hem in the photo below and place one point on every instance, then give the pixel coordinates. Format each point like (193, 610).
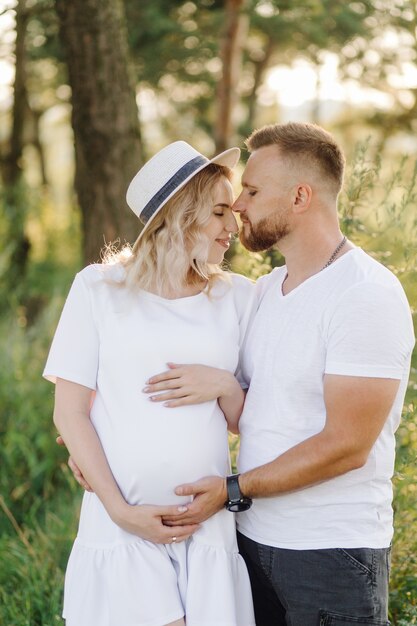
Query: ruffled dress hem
(145, 584)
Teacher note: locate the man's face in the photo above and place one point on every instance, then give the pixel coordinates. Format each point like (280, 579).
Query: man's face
(266, 199)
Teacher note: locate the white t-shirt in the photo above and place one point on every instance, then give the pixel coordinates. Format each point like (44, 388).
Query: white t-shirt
(350, 319)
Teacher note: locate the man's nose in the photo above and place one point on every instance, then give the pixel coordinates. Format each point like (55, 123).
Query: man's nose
(237, 206)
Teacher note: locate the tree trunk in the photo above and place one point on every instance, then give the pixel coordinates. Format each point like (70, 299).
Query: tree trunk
(11, 171)
(104, 118)
(14, 196)
(231, 56)
(260, 68)
(35, 139)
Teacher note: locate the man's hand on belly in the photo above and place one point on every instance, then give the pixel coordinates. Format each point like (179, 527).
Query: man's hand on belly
(210, 495)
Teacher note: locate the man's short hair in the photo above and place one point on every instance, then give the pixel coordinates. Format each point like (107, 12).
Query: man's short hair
(295, 139)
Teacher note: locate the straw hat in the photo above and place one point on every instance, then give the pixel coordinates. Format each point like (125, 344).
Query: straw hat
(166, 173)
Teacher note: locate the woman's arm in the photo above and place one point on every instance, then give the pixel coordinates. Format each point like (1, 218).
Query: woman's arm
(72, 419)
(193, 384)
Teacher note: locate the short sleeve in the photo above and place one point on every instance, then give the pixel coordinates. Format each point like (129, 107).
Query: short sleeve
(370, 333)
(75, 347)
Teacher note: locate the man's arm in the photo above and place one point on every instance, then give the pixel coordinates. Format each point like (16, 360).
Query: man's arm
(356, 410)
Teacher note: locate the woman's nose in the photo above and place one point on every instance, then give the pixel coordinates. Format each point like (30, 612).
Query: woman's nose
(232, 226)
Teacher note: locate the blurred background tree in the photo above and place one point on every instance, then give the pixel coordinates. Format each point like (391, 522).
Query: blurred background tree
(88, 90)
(104, 117)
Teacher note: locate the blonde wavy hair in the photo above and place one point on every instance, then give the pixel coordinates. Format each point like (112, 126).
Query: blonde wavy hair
(173, 250)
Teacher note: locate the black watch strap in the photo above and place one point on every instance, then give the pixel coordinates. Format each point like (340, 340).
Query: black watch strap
(233, 489)
(236, 501)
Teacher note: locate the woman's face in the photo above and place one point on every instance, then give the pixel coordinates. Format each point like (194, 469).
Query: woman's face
(222, 223)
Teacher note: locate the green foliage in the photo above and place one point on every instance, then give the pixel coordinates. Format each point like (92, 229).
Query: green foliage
(13, 243)
(377, 212)
(31, 579)
(404, 559)
(186, 35)
(311, 25)
(250, 264)
(174, 45)
(38, 498)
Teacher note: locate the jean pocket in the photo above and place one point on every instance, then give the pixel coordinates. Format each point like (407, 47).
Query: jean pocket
(362, 559)
(334, 619)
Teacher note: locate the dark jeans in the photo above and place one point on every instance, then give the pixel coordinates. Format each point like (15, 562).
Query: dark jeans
(330, 587)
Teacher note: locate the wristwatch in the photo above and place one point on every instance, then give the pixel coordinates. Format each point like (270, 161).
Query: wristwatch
(236, 501)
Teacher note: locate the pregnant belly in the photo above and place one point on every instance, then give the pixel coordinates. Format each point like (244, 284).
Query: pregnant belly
(150, 462)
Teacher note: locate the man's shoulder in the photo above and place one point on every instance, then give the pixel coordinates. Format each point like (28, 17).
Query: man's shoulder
(353, 275)
(369, 293)
(367, 268)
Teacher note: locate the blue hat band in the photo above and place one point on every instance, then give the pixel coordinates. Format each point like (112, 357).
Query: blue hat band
(171, 185)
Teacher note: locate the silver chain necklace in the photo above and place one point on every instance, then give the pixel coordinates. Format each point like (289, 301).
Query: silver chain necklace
(335, 253)
(331, 259)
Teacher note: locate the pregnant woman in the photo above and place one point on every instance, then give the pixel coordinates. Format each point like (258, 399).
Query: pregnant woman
(165, 300)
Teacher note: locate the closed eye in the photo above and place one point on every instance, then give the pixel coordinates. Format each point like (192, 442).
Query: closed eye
(219, 209)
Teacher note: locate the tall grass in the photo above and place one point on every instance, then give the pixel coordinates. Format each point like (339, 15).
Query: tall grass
(37, 497)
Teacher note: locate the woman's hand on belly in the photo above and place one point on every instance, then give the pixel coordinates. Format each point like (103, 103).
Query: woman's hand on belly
(183, 385)
(188, 384)
(145, 521)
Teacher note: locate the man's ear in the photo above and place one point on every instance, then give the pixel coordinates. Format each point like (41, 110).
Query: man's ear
(302, 198)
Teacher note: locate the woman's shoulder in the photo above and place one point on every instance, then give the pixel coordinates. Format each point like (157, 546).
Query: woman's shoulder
(241, 282)
(233, 285)
(101, 273)
(236, 287)
(267, 281)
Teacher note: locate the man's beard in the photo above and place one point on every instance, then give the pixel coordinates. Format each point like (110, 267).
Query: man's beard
(267, 232)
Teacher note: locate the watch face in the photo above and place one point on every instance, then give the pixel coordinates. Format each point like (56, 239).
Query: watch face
(241, 505)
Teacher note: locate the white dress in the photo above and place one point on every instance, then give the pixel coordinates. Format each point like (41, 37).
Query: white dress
(112, 341)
